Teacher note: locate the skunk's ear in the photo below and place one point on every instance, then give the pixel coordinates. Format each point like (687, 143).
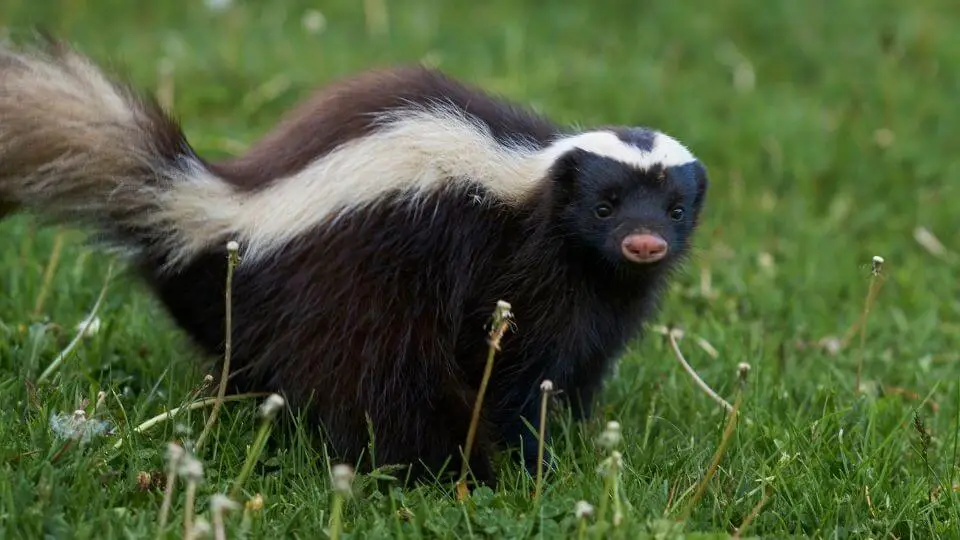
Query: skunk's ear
(566, 169)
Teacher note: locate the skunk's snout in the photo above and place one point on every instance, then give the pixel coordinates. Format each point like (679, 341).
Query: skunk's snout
(644, 248)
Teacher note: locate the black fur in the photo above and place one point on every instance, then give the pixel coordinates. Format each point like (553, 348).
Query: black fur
(387, 312)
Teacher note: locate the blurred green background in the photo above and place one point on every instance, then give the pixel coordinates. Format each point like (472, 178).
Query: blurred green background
(830, 130)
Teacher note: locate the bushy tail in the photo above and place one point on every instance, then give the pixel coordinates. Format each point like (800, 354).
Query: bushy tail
(76, 146)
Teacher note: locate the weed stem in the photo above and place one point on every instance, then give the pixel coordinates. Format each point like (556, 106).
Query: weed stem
(875, 283)
(232, 260)
(546, 388)
(501, 320)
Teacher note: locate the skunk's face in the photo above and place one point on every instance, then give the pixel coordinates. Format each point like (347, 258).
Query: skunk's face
(629, 216)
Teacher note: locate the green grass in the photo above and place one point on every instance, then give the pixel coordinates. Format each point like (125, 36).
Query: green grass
(786, 102)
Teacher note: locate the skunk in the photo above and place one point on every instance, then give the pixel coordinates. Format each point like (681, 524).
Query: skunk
(379, 224)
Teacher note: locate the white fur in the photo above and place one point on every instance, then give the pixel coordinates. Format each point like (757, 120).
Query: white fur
(413, 149)
(666, 150)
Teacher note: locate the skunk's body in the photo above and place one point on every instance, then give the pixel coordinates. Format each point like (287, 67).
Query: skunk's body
(379, 225)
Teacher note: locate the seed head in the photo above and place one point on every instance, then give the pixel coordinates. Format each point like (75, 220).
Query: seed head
(190, 468)
(343, 479)
(743, 369)
(877, 264)
(220, 502)
(610, 437)
(271, 406)
(233, 246)
(583, 510)
(546, 386)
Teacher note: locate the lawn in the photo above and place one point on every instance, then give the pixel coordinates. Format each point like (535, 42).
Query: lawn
(830, 130)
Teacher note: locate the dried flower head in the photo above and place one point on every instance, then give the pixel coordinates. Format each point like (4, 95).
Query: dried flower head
(233, 246)
(144, 480)
(343, 479)
(610, 437)
(877, 264)
(743, 369)
(546, 386)
(271, 406)
(77, 426)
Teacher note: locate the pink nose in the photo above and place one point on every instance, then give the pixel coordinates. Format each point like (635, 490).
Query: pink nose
(644, 248)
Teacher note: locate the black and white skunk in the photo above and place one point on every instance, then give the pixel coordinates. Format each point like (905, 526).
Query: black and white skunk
(380, 223)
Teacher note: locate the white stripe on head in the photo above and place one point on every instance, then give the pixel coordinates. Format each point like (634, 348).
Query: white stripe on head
(417, 150)
(665, 150)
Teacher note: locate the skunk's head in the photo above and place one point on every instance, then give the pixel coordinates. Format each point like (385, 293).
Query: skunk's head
(632, 196)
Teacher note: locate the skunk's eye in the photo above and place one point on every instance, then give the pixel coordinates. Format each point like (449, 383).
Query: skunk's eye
(676, 213)
(603, 210)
